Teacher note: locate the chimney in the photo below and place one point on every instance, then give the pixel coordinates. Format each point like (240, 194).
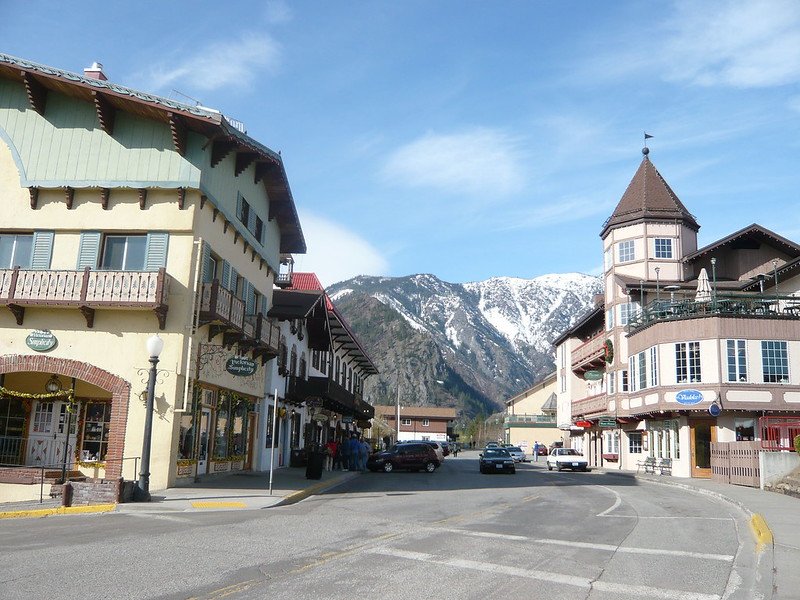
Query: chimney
(95, 72)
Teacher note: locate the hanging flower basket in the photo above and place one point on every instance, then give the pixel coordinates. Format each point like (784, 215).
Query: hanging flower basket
(608, 352)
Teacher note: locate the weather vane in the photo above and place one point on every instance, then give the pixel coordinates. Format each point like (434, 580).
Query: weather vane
(646, 150)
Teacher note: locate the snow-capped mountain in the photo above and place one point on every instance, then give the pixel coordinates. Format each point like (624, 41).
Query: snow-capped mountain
(470, 345)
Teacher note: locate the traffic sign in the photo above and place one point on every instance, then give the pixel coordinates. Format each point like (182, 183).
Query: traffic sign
(608, 423)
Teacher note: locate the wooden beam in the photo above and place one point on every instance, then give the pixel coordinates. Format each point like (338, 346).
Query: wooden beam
(70, 196)
(106, 114)
(263, 169)
(142, 198)
(244, 160)
(181, 197)
(105, 194)
(37, 93)
(34, 192)
(178, 129)
(219, 150)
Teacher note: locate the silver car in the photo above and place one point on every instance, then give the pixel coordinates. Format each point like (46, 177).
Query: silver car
(517, 453)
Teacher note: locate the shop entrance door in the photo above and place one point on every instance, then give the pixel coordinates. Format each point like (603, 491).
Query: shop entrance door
(252, 420)
(703, 433)
(202, 452)
(48, 435)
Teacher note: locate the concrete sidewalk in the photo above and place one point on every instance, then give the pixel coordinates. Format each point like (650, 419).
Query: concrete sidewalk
(236, 491)
(774, 520)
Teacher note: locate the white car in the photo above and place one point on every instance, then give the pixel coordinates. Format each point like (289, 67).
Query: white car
(517, 453)
(566, 458)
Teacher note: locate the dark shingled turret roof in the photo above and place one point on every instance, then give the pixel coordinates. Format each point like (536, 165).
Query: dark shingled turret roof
(648, 198)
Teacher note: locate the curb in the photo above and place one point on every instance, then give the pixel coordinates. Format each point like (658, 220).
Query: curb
(761, 531)
(61, 510)
(317, 488)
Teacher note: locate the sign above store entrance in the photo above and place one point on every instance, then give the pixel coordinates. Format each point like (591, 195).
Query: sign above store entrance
(689, 397)
(41, 340)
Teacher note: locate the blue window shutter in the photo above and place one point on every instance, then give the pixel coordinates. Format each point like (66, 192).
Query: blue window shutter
(249, 298)
(226, 275)
(232, 279)
(239, 206)
(207, 264)
(89, 249)
(42, 249)
(156, 250)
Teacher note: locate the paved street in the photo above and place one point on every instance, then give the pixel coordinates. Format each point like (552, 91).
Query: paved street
(450, 534)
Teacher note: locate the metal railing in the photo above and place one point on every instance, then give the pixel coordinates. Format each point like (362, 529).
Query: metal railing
(543, 419)
(778, 433)
(757, 306)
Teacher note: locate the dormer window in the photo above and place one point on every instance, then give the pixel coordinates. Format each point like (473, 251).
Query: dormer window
(625, 251)
(662, 248)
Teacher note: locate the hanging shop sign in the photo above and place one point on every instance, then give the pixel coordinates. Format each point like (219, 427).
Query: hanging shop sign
(608, 423)
(347, 418)
(714, 410)
(593, 375)
(313, 402)
(689, 397)
(584, 424)
(240, 366)
(41, 340)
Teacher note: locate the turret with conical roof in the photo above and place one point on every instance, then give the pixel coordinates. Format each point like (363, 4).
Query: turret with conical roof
(648, 198)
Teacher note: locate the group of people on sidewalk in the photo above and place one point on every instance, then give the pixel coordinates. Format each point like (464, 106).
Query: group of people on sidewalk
(349, 454)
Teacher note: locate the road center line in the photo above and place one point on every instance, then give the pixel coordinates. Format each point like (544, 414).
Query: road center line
(593, 546)
(558, 578)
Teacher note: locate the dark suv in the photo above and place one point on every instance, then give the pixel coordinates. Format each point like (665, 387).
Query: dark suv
(411, 457)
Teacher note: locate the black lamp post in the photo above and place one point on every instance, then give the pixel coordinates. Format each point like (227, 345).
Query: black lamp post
(714, 280)
(775, 272)
(142, 492)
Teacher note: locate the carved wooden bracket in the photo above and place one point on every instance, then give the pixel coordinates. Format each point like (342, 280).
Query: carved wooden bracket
(142, 198)
(178, 129)
(161, 315)
(106, 114)
(214, 216)
(18, 312)
(203, 199)
(70, 196)
(236, 237)
(262, 170)
(34, 192)
(244, 160)
(225, 226)
(88, 314)
(181, 197)
(219, 150)
(37, 93)
(105, 194)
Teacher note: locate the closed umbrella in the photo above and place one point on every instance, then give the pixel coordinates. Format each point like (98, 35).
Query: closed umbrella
(703, 287)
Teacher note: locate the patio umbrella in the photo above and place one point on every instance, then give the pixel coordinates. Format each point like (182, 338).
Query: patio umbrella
(703, 287)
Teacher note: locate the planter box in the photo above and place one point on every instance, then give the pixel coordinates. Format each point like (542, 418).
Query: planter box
(187, 470)
(237, 465)
(220, 466)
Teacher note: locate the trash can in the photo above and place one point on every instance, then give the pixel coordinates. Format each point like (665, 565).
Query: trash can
(298, 457)
(314, 467)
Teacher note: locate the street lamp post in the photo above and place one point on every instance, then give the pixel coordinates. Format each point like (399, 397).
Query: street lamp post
(142, 492)
(714, 283)
(658, 283)
(775, 272)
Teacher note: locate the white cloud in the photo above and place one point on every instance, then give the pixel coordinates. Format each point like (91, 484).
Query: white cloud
(741, 44)
(336, 253)
(474, 162)
(219, 65)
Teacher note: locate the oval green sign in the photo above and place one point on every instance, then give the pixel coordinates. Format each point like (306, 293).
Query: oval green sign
(593, 375)
(41, 340)
(241, 366)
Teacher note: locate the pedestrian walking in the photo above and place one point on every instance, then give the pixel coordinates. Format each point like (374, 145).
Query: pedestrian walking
(535, 451)
(344, 452)
(355, 453)
(364, 455)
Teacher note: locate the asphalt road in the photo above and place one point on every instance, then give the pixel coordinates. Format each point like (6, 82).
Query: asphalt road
(451, 534)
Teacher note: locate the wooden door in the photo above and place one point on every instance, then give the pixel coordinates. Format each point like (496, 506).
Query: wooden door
(703, 434)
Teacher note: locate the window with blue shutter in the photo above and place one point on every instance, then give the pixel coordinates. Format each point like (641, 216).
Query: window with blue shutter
(207, 264)
(156, 250)
(89, 249)
(42, 249)
(225, 281)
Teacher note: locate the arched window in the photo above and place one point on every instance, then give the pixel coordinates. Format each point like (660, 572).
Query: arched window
(293, 364)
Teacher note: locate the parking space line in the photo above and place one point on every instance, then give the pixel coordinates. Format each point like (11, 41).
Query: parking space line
(593, 546)
(558, 578)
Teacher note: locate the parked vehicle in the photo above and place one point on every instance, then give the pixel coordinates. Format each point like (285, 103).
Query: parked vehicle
(517, 453)
(492, 445)
(437, 447)
(566, 458)
(496, 460)
(542, 450)
(445, 448)
(408, 456)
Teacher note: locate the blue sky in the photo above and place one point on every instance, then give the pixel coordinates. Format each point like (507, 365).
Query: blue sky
(469, 139)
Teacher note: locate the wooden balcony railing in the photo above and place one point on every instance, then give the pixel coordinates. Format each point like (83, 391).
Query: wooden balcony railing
(588, 406)
(86, 290)
(218, 304)
(589, 351)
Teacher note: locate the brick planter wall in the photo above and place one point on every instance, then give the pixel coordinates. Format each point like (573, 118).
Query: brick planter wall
(83, 493)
